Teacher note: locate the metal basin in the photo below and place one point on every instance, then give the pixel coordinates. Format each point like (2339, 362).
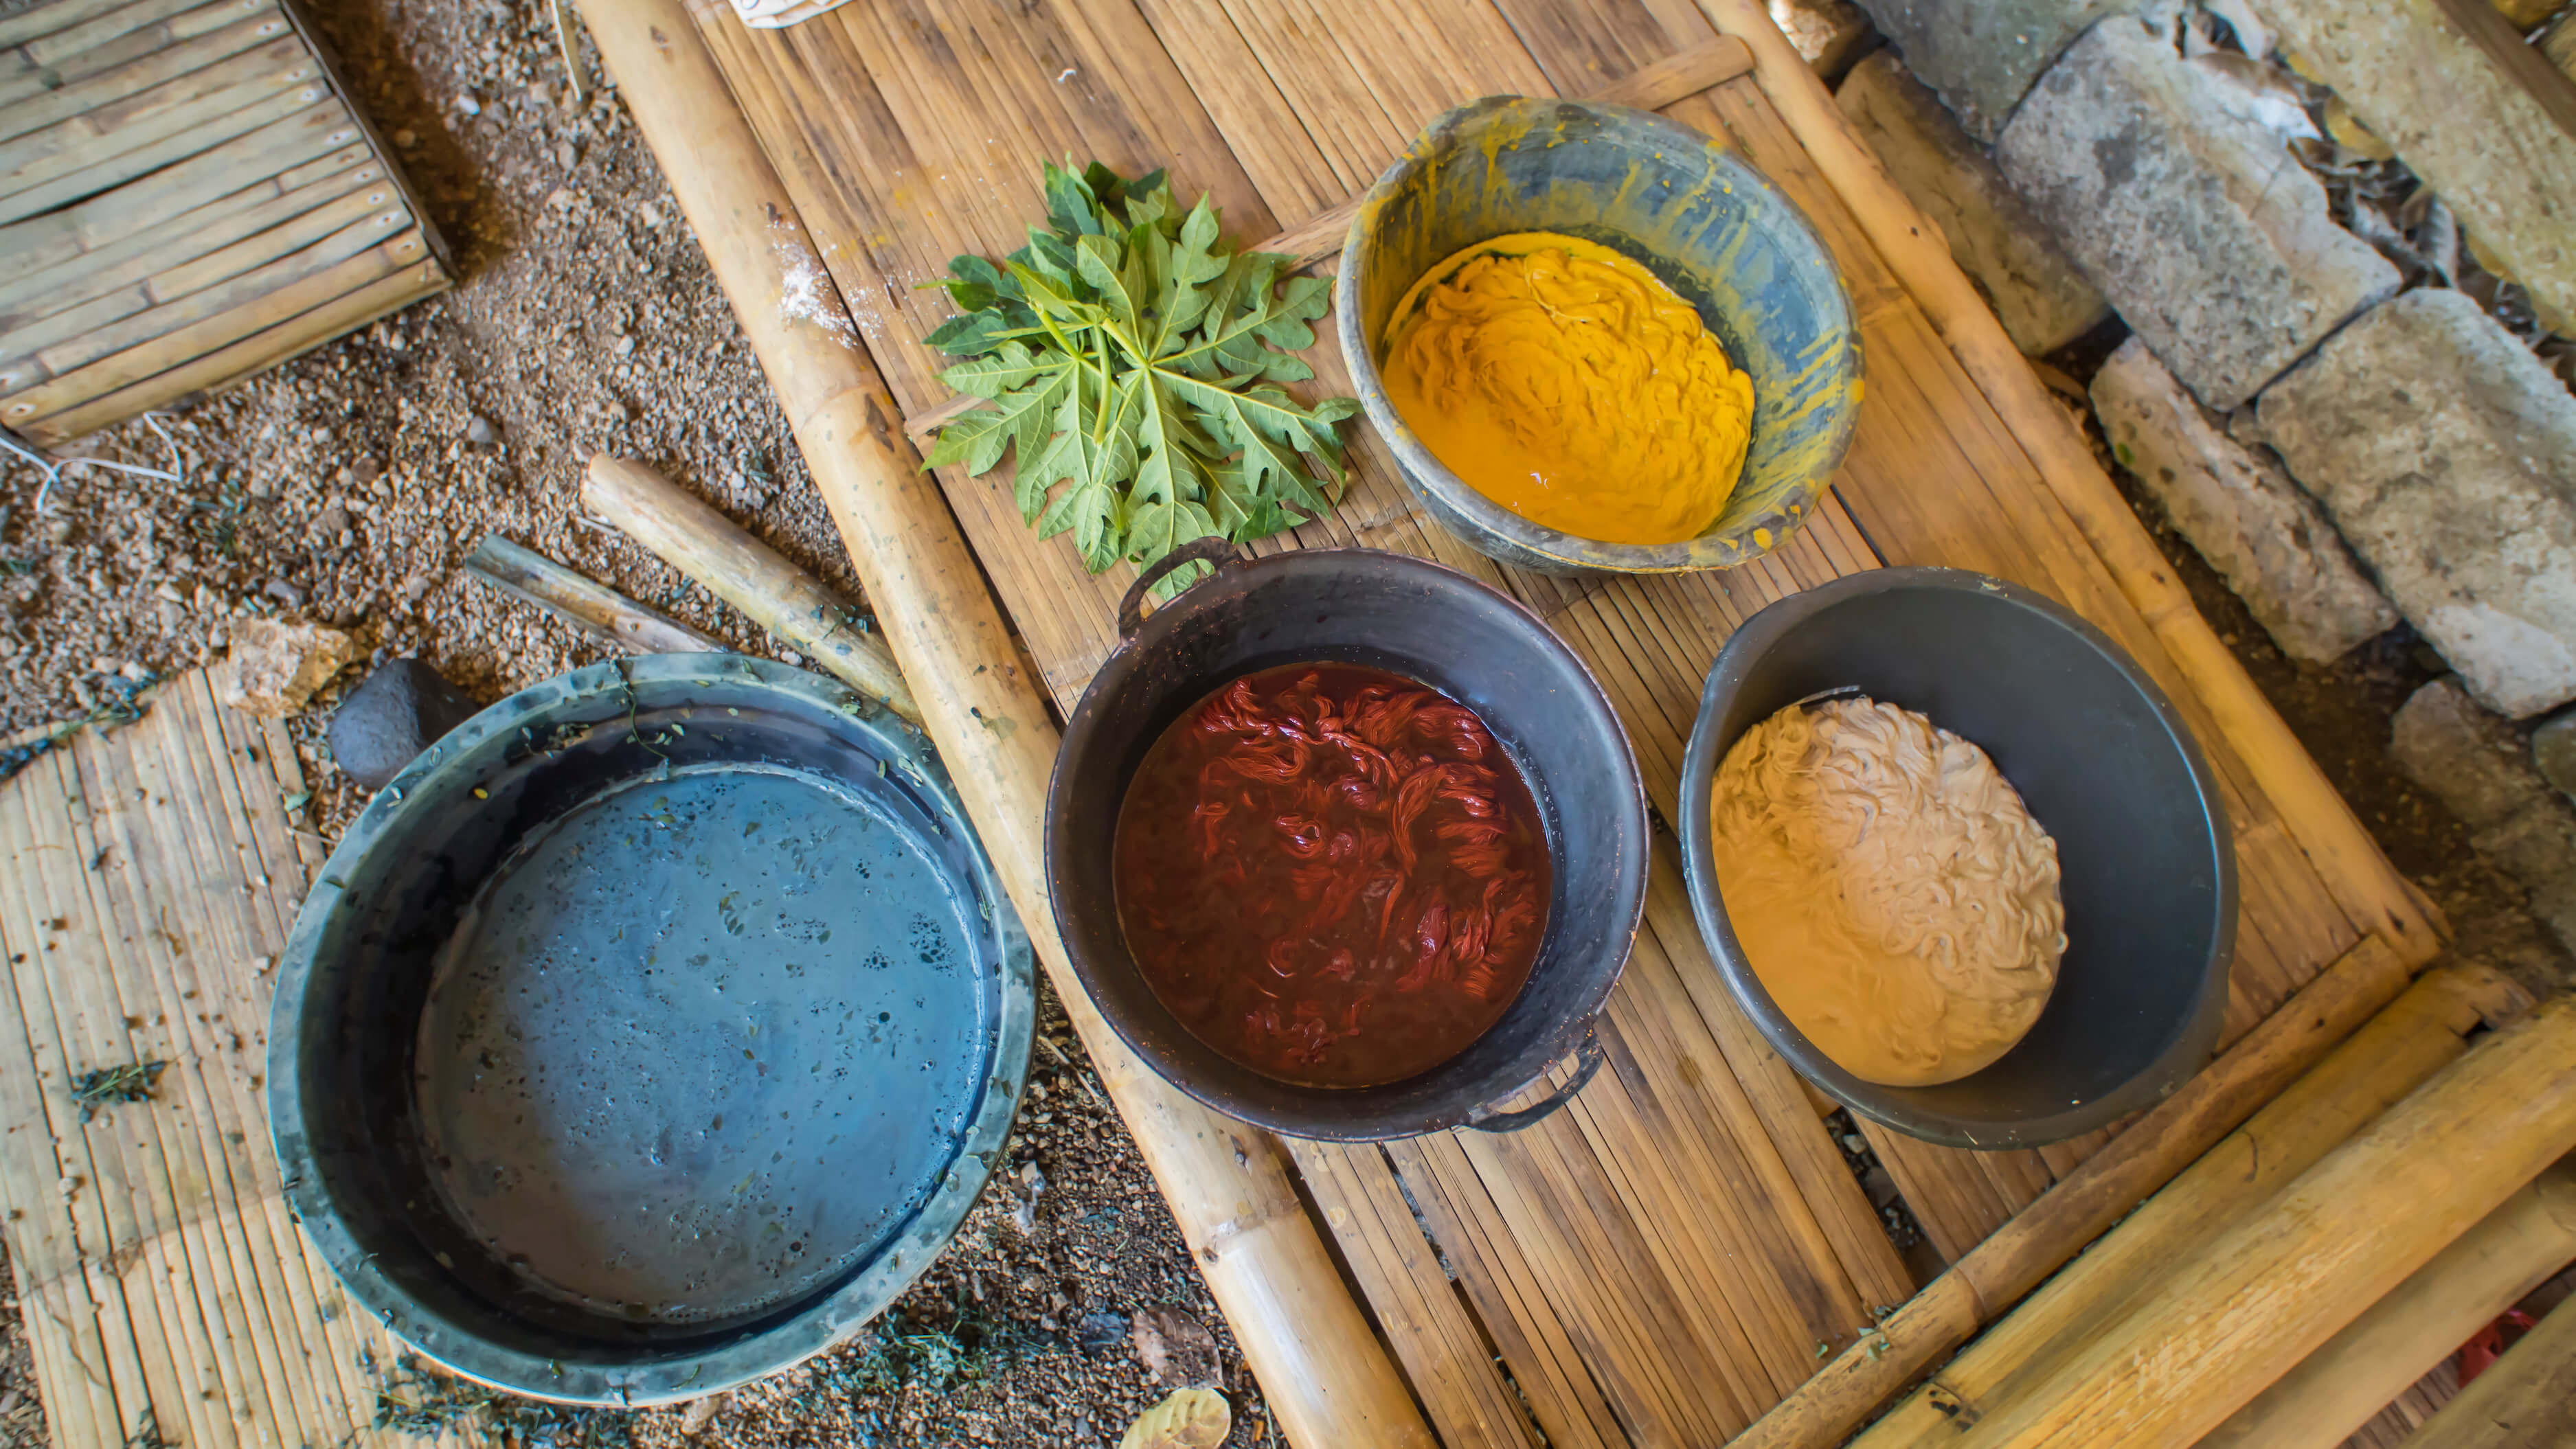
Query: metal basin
(1711, 227)
(650, 1033)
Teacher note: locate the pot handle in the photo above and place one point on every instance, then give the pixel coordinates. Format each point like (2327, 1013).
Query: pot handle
(1588, 1059)
(1210, 549)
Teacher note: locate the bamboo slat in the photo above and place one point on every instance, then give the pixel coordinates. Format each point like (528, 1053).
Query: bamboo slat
(282, 257)
(1603, 1255)
(125, 220)
(249, 228)
(2421, 1322)
(167, 64)
(56, 61)
(2527, 1400)
(2217, 1328)
(151, 875)
(253, 311)
(172, 110)
(291, 337)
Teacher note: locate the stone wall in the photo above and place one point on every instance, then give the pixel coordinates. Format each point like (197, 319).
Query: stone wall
(2342, 237)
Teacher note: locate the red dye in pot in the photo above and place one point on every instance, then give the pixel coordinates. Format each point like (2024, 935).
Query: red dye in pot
(1332, 875)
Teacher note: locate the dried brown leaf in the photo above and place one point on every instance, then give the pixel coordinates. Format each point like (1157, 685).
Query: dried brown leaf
(1174, 1347)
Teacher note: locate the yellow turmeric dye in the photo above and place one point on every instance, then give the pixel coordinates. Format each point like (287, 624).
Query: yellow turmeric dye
(1567, 383)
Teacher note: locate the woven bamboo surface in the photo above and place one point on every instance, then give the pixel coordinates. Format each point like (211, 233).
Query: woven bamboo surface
(185, 198)
(148, 877)
(1667, 1258)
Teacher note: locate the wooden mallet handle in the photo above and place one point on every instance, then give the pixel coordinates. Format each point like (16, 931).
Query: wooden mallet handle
(741, 570)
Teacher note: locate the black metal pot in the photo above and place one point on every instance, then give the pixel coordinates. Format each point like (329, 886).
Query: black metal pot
(2106, 765)
(1415, 618)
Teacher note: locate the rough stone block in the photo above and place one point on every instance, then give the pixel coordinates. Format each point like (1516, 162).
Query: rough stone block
(2043, 301)
(274, 667)
(2446, 454)
(397, 712)
(2472, 762)
(1827, 34)
(1983, 55)
(2470, 108)
(2189, 212)
(2245, 515)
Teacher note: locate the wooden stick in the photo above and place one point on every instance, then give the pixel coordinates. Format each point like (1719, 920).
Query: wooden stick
(2394, 1053)
(1326, 1376)
(2221, 1327)
(2364, 884)
(1319, 238)
(2527, 1400)
(708, 547)
(1924, 1330)
(2405, 1335)
(588, 605)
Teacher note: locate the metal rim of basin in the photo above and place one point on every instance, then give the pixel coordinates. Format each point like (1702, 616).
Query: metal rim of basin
(644, 1376)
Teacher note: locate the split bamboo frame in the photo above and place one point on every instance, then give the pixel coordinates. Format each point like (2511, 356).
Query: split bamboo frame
(2213, 1332)
(1328, 1380)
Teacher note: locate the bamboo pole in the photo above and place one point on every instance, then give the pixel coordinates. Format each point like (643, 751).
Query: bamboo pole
(2394, 1053)
(2527, 1400)
(741, 570)
(2422, 1321)
(2222, 1326)
(2364, 884)
(588, 605)
(1327, 1378)
(1911, 1342)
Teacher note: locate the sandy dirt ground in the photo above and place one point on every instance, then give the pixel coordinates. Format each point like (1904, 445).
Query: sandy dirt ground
(348, 486)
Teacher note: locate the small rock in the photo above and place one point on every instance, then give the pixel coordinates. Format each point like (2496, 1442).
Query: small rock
(2042, 299)
(2553, 749)
(284, 592)
(1096, 1332)
(469, 104)
(2472, 762)
(2270, 540)
(273, 667)
(1175, 1348)
(2162, 181)
(649, 214)
(405, 140)
(369, 468)
(700, 1413)
(2444, 452)
(480, 432)
(334, 518)
(398, 711)
(1827, 34)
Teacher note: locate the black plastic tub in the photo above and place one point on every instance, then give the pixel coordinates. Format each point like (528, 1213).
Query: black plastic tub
(1429, 623)
(650, 1033)
(2105, 765)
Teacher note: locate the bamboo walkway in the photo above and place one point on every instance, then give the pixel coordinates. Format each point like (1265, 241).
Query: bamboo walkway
(186, 198)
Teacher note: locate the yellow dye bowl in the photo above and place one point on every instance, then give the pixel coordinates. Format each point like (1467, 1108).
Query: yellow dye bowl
(1710, 226)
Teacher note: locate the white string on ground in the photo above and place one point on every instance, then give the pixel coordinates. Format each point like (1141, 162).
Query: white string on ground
(53, 468)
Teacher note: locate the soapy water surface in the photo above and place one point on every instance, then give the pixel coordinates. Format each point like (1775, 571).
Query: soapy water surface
(701, 1045)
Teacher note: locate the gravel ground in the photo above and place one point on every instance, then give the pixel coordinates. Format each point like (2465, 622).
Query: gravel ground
(348, 486)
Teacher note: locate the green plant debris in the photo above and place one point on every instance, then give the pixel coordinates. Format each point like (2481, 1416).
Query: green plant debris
(904, 1351)
(104, 1086)
(419, 1400)
(123, 706)
(1130, 363)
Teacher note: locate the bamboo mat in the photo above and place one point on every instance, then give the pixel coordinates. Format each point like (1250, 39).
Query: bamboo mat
(1675, 1252)
(185, 198)
(147, 878)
